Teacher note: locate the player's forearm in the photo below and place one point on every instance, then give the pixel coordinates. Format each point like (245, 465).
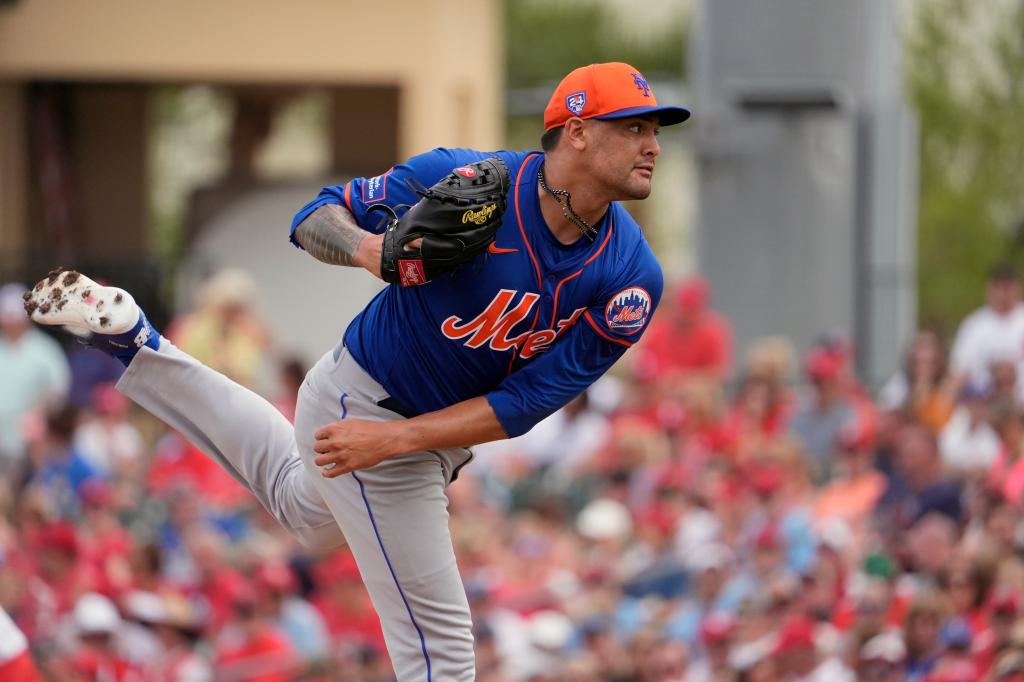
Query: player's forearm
(470, 422)
(331, 235)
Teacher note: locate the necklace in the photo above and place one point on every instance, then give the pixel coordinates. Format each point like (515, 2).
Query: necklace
(563, 199)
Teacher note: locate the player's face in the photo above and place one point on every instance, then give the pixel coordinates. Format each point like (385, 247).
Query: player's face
(624, 154)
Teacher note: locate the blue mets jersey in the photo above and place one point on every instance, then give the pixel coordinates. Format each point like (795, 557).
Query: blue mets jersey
(529, 324)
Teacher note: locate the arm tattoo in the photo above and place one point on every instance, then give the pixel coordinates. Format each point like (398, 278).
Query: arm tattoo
(331, 235)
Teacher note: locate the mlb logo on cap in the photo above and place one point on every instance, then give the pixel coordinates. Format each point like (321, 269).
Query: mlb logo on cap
(575, 102)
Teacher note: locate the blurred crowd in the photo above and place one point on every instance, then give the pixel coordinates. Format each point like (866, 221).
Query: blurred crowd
(695, 517)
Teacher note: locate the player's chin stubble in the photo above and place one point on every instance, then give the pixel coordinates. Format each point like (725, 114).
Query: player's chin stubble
(636, 189)
(624, 187)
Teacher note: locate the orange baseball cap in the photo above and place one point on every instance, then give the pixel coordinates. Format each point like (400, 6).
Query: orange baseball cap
(611, 90)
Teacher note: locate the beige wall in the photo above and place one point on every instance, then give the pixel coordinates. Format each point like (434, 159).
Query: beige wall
(445, 55)
(444, 58)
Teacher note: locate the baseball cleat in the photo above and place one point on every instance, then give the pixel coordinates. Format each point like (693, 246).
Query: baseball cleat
(107, 318)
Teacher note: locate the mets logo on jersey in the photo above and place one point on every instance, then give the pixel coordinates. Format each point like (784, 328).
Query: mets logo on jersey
(576, 101)
(628, 310)
(493, 327)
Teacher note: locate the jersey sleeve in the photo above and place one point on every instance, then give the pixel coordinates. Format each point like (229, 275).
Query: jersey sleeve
(624, 308)
(591, 346)
(572, 364)
(389, 188)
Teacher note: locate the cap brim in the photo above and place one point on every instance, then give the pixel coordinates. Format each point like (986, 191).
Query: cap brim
(667, 116)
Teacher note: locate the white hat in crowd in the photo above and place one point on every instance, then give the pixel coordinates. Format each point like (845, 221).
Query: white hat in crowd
(12, 305)
(604, 519)
(94, 614)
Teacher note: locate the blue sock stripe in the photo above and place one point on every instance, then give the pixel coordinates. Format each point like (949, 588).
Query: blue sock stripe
(373, 522)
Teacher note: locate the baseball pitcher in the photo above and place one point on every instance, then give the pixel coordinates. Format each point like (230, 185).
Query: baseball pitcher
(516, 281)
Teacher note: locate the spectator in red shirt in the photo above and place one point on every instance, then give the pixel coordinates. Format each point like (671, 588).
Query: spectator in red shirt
(105, 545)
(1006, 474)
(852, 388)
(688, 338)
(345, 604)
(97, 659)
(295, 617)
(755, 420)
(180, 464)
(58, 553)
(217, 580)
(717, 634)
(993, 641)
(252, 648)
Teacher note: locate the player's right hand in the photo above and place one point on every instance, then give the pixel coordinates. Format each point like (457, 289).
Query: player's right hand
(346, 446)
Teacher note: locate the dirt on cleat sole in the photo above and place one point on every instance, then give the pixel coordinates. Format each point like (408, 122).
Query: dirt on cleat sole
(70, 299)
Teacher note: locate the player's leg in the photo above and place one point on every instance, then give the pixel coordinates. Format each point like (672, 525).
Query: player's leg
(240, 430)
(395, 518)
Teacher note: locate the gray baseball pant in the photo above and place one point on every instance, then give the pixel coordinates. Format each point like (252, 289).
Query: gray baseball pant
(394, 516)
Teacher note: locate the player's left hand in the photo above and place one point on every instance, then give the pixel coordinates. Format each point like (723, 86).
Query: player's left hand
(353, 444)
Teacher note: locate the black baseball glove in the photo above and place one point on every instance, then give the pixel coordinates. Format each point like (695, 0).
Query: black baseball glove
(456, 218)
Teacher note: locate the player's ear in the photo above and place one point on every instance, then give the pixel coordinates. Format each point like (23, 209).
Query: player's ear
(575, 133)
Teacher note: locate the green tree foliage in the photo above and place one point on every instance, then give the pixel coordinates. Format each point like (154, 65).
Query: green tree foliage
(966, 77)
(548, 38)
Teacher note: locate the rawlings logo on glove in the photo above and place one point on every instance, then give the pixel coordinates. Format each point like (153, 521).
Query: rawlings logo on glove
(457, 218)
(479, 217)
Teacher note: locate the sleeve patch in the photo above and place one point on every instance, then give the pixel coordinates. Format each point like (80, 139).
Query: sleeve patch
(627, 312)
(376, 188)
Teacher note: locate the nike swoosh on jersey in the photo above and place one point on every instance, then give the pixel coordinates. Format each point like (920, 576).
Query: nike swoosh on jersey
(495, 249)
